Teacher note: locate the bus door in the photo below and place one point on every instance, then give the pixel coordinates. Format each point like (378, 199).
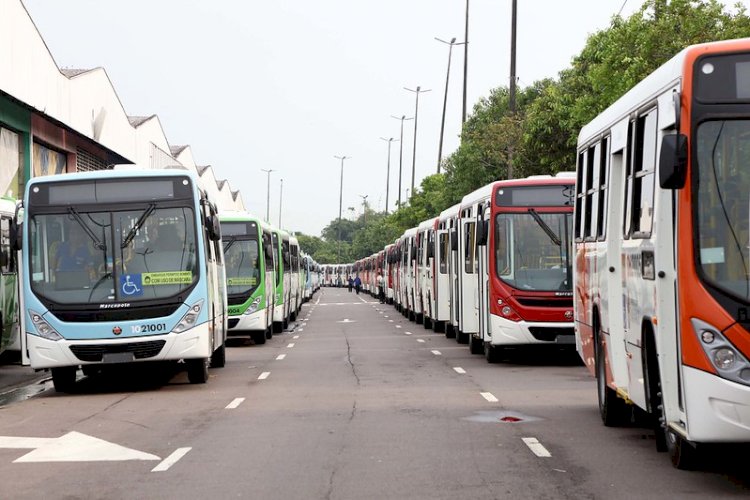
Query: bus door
(483, 251)
(442, 276)
(455, 301)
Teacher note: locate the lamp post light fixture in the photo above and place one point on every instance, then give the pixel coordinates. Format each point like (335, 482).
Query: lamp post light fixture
(400, 153)
(268, 194)
(388, 171)
(445, 97)
(341, 198)
(416, 91)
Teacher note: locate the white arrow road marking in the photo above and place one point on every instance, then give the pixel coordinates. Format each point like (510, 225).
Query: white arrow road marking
(536, 447)
(72, 447)
(171, 459)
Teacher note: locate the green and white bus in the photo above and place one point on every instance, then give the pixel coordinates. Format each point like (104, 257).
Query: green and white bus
(282, 308)
(249, 259)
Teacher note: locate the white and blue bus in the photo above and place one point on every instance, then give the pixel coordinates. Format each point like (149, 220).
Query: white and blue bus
(121, 267)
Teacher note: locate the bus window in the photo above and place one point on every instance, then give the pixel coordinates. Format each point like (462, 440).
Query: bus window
(469, 248)
(444, 251)
(602, 189)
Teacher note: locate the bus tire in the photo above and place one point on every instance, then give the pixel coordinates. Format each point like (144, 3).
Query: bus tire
(293, 316)
(683, 454)
(461, 337)
(492, 353)
(219, 357)
(278, 327)
(197, 370)
(476, 345)
(450, 331)
(259, 337)
(427, 322)
(612, 409)
(64, 378)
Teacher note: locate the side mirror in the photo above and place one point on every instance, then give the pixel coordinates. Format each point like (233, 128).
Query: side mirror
(673, 161)
(214, 228)
(16, 235)
(481, 232)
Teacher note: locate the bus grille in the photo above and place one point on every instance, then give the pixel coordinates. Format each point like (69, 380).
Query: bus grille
(233, 322)
(546, 302)
(549, 334)
(140, 350)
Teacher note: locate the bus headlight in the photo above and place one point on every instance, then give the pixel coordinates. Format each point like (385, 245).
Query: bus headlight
(253, 306)
(189, 319)
(43, 329)
(728, 361)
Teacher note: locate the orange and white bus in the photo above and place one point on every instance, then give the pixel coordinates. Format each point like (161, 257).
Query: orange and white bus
(662, 268)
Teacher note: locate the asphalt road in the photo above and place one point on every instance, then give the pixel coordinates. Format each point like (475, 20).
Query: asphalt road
(352, 402)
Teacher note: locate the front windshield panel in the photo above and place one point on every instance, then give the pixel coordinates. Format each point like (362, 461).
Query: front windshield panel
(722, 209)
(101, 256)
(242, 265)
(532, 250)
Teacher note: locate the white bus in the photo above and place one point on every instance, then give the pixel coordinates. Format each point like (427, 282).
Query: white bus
(662, 267)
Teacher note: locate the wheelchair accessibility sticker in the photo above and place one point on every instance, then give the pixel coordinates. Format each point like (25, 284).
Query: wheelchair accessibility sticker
(130, 285)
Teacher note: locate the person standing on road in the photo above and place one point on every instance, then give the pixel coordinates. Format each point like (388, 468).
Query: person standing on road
(357, 283)
(351, 283)
(381, 288)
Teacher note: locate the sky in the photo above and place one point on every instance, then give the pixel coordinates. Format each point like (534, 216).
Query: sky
(288, 85)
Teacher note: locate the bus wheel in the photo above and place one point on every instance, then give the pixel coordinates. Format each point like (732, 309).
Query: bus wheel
(64, 378)
(683, 454)
(278, 327)
(197, 370)
(427, 322)
(492, 353)
(475, 345)
(293, 316)
(450, 331)
(612, 409)
(461, 337)
(259, 337)
(219, 357)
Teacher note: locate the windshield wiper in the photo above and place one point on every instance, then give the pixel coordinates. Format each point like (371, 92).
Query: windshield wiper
(555, 239)
(139, 223)
(98, 244)
(229, 243)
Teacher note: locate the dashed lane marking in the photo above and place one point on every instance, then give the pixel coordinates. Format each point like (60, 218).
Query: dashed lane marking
(437, 353)
(280, 357)
(460, 370)
(234, 404)
(489, 397)
(264, 375)
(171, 459)
(536, 447)
(291, 344)
(407, 333)
(398, 326)
(295, 337)
(420, 341)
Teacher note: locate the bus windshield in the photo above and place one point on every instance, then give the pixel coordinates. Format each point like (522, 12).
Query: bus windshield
(532, 250)
(97, 256)
(242, 265)
(722, 210)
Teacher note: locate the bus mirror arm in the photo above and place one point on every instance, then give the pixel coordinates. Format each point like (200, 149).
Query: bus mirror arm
(16, 229)
(673, 161)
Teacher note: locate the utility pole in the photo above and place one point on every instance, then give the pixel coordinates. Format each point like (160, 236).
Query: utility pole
(445, 97)
(388, 171)
(400, 153)
(512, 93)
(268, 194)
(341, 197)
(416, 91)
(466, 61)
(281, 197)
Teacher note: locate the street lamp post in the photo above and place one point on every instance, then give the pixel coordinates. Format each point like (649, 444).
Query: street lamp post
(400, 153)
(364, 206)
(268, 194)
(388, 172)
(445, 97)
(416, 91)
(281, 197)
(341, 198)
(466, 61)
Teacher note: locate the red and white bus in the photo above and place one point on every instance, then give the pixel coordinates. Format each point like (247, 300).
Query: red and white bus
(522, 263)
(662, 269)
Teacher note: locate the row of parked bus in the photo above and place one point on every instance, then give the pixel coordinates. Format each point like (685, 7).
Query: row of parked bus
(642, 259)
(130, 266)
